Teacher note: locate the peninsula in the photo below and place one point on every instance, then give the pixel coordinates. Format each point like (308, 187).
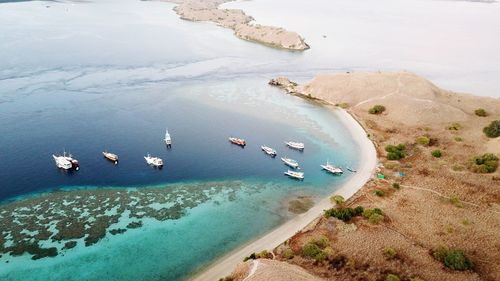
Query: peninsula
(430, 213)
(237, 20)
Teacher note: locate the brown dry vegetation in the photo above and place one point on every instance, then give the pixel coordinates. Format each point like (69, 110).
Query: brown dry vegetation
(420, 216)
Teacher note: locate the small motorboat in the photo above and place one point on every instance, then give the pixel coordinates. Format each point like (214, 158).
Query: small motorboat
(110, 156)
(268, 150)
(295, 175)
(290, 162)
(332, 169)
(168, 139)
(237, 141)
(295, 145)
(153, 161)
(66, 162)
(351, 170)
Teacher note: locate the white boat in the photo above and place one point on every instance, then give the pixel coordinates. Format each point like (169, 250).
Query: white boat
(332, 169)
(268, 150)
(66, 162)
(110, 156)
(295, 175)
(290, 162)
(168, 139)
(153, 161)
(295, 145)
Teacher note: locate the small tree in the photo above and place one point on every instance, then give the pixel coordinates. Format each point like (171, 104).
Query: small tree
(395, 152)
(376, 109)
(481, 112)
(379, 193)
(492, 130)
(389, 252)
(392, 277)
(437, 153)
(396, 185)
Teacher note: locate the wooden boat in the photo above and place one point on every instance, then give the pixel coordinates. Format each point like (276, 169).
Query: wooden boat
(290, 162)
(295, 145)
(268, 150)
(237, 141)
(295, 175)
(332, 169)
(110, 156)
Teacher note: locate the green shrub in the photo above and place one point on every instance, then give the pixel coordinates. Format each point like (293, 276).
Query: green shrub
(375, 218)
(454, 127)
(437, 153)
(287, 253)
(455, 200)
(310, 250)
(379, 193)
(492, 130)
(343, 105)
(452, 258)
(251, 257)
(423, 140)
(392, 277)
(321, 241)
(481, 112)
(396, 185)
(389, 252)
(344, 214)
(395, 152)
(337, 199)
(376, 109)
(486, 163)
(313, 248)
(458, 139)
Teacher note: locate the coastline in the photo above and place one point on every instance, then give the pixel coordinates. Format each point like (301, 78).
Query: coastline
(224, 265)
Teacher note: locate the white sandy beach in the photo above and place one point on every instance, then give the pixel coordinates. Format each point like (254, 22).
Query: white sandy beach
(224, 266)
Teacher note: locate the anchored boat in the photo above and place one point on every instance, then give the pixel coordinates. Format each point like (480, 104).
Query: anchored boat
(332, 169)
(237, 141)
(268, 150)
(290, 162)
(110, 156)
(168, 139)
(66, 162)
(295, 145)
(153, 161)
(295, 175)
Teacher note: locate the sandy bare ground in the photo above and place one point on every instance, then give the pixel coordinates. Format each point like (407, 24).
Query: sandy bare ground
(367, 153)
(237, 20)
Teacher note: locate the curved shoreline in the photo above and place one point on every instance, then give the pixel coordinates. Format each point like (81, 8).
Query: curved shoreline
(368, 160)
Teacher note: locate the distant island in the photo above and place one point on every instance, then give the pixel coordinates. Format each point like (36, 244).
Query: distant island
(430, 210)
(242, 24)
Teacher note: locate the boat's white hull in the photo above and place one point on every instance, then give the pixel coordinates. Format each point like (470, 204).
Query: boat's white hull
(295, 175)
(290, 164)
(295, 145)
(332, 170)
(153, 161)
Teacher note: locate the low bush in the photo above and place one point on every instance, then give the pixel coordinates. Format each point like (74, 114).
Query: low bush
(455, 200)
(344, 214)
(395, 152)
(396, 185)
(423, 140)
(392, 277)
(376, 109)
(454, 126)
(481, 112)
(374, 216)
(486, 163)
(287, 253)
(343, 105)
(452, 258)
(389, 252)
(314, 248)
(437, 153)
(337, 199)
(458, 139)
(492, 130)
(379, 193)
